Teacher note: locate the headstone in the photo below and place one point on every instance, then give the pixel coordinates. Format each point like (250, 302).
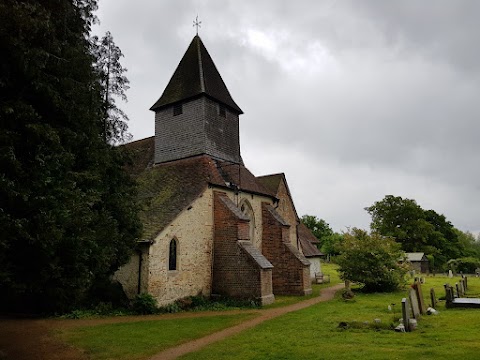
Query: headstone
(414, 303)
(433, 298)
(459, 288)
(421, 302)
(406, 314)
(450, 274)
(449, 297)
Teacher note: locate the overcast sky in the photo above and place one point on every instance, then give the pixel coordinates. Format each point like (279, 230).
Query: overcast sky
(352, 100)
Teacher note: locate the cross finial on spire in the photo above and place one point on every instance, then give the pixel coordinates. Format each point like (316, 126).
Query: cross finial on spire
(197, 23)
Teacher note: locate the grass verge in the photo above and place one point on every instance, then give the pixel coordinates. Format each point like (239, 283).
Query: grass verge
(142, 339)
(314, 332)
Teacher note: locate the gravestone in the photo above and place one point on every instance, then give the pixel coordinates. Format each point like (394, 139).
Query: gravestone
(406, 314)
(450, 274)
(433, 298)
(460, 292)
(421, 302)
(412, 294)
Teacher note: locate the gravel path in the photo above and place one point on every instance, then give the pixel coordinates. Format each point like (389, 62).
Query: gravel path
(35, 339)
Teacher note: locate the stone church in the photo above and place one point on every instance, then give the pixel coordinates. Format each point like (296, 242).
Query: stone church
(209, 225)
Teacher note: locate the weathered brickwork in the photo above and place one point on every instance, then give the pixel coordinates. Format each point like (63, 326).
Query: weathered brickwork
(239, 269)
(291, 270)
(193, 231)
(255, 201)
(287, 211)
(199, 129)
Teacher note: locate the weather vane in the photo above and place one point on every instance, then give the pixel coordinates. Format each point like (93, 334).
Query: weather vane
(197, 23)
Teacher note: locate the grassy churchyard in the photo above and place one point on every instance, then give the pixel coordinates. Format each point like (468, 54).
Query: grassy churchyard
(311, 333)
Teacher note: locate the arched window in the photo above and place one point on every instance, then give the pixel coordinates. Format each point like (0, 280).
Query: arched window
(172, 255)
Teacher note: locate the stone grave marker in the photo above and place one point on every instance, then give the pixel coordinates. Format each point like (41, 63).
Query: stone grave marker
(406, 314)
(421, 302)
(414, 303)
(450, 274)
(433, 298)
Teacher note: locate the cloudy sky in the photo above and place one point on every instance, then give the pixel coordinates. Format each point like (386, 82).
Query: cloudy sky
(352, 100)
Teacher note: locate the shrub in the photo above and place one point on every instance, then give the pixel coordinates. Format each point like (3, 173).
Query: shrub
(144, 304)
(372, 260)
(466, 265)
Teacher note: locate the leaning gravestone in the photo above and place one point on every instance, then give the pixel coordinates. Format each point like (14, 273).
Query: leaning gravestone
(414, 303)
(421, 303)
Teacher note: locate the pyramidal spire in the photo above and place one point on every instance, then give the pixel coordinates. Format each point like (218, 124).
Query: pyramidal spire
(196, 75)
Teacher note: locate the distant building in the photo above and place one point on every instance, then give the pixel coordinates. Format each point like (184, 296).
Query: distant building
(418, 261)
(209, 225)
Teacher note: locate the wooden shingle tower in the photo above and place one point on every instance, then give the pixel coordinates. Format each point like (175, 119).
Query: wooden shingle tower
(196, 114)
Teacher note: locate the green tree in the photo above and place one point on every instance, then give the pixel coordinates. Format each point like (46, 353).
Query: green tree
(319, 227)
(330, 244)
(401, 219)
(114, 84)
(416, 229)
(372, 260)
(67, 209)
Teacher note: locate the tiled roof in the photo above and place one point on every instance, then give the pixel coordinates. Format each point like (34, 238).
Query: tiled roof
(417, 256)
(305, 233)
(195, 75)
(271, 182)
(308, 241)
(239, 176)
(141, 153)
(309, 249)
(167, 189)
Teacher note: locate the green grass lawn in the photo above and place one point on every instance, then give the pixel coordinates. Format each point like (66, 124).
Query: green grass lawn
(142, 339)
(313, 333)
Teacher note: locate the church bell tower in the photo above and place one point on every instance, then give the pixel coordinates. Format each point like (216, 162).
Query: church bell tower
(196, 114)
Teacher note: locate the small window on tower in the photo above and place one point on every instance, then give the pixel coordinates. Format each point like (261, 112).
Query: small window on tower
(177, 109)
(222, 111)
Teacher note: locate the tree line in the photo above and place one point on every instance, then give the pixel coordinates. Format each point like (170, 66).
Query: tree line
(68, 212)
(398, 225)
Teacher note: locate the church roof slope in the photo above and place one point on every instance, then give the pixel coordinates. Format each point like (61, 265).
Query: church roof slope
(239, 176)
(308, 241)
(165, 190)
(195, 75)
(305, 233)
(271, 182)
(141, 155)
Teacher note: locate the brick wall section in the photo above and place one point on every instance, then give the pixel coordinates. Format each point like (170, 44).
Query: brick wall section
(291, 270)
(198, 130)
(286, 210)
(239, 269)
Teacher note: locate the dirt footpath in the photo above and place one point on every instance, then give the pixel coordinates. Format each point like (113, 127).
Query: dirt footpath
(34, 339)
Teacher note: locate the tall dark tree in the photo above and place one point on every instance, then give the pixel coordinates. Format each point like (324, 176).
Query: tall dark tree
(114, 84)
(67, 209)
